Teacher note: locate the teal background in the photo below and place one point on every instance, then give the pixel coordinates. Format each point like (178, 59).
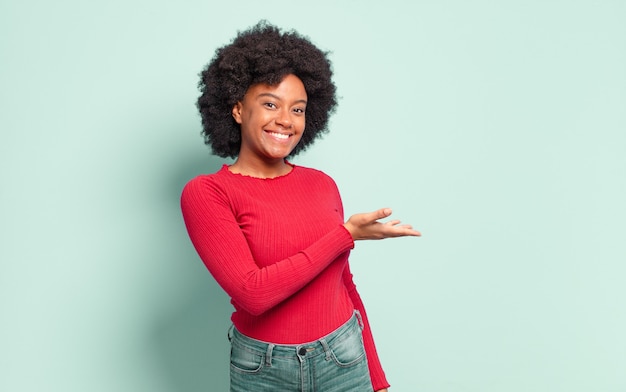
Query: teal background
(497, 128)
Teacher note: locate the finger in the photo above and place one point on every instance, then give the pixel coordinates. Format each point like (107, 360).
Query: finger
(412, 232)
(396, 224)
(382, 213)
(404, 230)
(376, 215)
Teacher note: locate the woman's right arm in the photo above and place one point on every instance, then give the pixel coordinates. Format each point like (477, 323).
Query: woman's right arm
(220, 243)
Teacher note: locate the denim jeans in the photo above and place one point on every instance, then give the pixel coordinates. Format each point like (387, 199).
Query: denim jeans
(334, 363)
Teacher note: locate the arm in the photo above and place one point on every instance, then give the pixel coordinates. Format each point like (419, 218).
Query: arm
(366, 227)
(220, 243)
(379, 381)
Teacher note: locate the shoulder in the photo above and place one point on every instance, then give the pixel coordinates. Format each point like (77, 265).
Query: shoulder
(316, 177)
(203, 186)
(304, 171)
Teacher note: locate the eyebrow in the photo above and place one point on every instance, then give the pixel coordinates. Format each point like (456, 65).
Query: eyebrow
(279, 98)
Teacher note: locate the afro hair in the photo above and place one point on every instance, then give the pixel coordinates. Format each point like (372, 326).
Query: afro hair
(263, 54)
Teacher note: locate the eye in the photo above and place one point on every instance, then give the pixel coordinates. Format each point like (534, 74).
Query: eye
(270, 105)
(299, 110)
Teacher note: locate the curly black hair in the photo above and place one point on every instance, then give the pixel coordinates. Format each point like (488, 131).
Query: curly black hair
(263, 54)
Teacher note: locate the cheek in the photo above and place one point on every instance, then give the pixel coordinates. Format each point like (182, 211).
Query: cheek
(301, 124)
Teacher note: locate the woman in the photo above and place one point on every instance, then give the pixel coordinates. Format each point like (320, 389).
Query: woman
(271, 233)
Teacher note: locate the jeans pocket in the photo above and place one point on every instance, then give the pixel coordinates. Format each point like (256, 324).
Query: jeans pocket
(245, 361)
(348, 351)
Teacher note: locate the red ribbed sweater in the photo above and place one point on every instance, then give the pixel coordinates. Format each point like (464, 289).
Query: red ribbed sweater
(279, 249)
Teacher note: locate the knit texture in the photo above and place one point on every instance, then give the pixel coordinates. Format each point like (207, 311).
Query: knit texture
(279, 249)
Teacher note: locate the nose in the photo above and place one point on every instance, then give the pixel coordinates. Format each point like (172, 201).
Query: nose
(283, 118)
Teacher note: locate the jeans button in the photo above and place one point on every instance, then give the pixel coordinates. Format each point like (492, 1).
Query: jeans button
(302, 351)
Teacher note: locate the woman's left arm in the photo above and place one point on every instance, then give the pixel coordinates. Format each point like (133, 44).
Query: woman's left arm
(379, 381)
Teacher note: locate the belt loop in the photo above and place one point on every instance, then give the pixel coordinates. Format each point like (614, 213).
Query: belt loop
(229, 333)
(360, 319)
(326, 348)
(268, 355)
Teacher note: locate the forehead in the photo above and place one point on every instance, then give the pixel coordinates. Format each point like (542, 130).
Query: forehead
(289, 88)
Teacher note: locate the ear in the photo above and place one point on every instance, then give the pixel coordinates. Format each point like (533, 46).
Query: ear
(237, 112)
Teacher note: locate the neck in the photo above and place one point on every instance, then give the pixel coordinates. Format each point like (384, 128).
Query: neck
(260, 169)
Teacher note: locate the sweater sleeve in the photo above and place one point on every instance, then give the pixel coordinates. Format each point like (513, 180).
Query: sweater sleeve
(220, 243)
(377, 375)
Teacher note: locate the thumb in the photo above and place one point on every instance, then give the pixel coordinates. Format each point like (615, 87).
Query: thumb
(381, 213)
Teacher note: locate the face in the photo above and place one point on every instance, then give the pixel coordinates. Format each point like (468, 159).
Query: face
(271, 119)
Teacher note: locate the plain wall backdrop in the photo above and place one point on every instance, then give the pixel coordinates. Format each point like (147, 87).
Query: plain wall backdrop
(497, 128)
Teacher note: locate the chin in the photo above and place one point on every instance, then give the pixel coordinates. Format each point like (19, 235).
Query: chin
(279, 154)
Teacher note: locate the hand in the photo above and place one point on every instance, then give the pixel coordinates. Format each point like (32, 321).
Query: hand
(366, 226)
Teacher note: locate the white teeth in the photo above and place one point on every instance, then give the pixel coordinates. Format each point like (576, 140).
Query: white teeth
(279, 135)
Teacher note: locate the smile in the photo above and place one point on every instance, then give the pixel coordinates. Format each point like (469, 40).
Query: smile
(279, 135)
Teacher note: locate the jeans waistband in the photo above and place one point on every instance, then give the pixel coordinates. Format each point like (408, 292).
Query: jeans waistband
(302, 350)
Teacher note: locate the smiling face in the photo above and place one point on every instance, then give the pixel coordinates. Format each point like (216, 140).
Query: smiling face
(271, 120)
